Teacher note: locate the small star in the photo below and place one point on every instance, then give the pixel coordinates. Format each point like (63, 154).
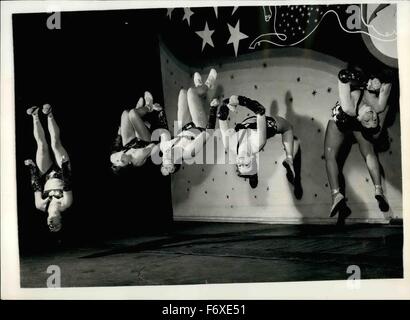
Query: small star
(169, 12)
(314, 92)
(329, 89)
(206, 36)
(187, 15)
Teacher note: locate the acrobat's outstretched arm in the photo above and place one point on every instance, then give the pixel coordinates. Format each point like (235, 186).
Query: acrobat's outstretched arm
(222, 115)
(67, 188)
(40, 203)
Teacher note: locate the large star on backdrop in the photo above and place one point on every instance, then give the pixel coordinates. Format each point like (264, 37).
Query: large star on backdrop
(187, 15)
(235, 37)
(206, 36)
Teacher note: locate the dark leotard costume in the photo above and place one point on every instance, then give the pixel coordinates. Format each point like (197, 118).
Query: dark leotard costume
(343, 121)
(192, 128)
(54, 172)
(39, 181)
(250, 123)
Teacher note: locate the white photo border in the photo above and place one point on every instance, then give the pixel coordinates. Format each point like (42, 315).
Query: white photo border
(10, 275)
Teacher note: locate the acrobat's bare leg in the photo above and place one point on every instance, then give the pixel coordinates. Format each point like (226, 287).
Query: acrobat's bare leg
(196, 103)
(140, 129)
(184, 115)
(59, 151)
(43, 158)
(126, 129)
(372, 163)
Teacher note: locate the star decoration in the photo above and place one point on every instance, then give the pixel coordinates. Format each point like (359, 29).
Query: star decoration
(206, 36)
(235, 37)
(169, 12)
(187, 15)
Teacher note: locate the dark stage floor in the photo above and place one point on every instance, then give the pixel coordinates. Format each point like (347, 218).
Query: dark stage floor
(200, 253)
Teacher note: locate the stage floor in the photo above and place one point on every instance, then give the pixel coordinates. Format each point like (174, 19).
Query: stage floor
(201, 253)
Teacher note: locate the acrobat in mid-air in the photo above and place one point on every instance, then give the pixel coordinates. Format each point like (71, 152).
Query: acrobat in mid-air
(51, 173)
(133, 145)
(249, 137)
(192, 122)
(360, 112)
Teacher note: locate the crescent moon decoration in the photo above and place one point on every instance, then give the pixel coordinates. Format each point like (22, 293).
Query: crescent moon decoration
(385, 52)
(273, 37)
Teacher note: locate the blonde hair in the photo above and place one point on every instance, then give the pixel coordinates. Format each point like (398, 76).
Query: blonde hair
(54, 215)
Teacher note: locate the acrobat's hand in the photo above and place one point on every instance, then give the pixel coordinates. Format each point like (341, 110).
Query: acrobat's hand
(214, 102)
(233, 102)
(157, 107)
(29, 162)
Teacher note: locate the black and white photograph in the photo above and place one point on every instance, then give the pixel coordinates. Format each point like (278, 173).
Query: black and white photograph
(157, 144)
